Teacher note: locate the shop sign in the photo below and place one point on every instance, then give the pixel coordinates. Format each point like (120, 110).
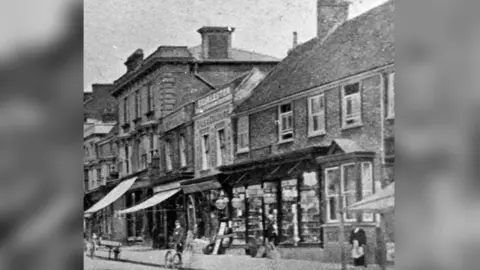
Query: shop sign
(310, 179)
(221, 204)
(257, 201)
(237, 203)
(213, 99)
(213, 118)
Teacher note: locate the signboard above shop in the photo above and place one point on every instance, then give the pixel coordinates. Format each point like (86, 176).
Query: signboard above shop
(212, 100)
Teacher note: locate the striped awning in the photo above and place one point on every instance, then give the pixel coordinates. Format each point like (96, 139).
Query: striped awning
(112, 196)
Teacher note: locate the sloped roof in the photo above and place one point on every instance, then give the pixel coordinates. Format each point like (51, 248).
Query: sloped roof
(219, 78)
(236, 55)
(360, 44)
(347, 145)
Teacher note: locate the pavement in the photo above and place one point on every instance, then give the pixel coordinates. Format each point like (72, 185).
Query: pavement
(147, 257)
(104, 264)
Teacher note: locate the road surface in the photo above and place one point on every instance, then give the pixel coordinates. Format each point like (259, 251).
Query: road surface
(103, 264)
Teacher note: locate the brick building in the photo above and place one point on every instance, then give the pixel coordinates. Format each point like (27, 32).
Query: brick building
(321, 120)
(154, 91)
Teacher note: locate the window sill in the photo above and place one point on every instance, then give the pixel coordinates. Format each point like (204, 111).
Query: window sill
(285, 141)
(243, 150)
(316, 134)
(352, 126)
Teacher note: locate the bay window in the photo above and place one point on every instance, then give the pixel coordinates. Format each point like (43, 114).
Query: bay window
(285, 122)
(355, 180)
(351, 105)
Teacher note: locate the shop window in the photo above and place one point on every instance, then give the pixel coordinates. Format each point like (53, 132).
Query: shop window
(270, 199)
(205, 152)
(285, 122)
(289, 226)
(351, 105)
(332, 180)
(242, 134)
(183, 151)
(221, 149)
(349, 188)
(310, 223)
(316, 115)
(238, 216)
(255, 213)
(367, 187)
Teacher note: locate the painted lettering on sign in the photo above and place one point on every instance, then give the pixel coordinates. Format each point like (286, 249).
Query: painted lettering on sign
(214, 99)
(174, 120)
(212, 119)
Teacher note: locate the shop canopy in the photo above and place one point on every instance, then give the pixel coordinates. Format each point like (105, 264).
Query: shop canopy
(382, 201)
(112, 196)
(202, 186)
(152, 201)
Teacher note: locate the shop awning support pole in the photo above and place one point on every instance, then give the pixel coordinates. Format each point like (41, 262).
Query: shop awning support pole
(341, 236)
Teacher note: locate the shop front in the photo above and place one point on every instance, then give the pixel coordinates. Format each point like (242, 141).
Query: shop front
(285, 188)
(161, 208)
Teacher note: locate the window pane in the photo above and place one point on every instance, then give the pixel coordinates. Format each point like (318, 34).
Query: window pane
(348, 109)
(349, 178)
(310, 205)
(332, 208)
(255, 213)
(352, 89)
(315, 105)
(332, 180)
(285, 108)
(315, 122)
(349, 199)
(238, 216)
(271, 203)
(289, 226)
(290, 121)
(284, 123)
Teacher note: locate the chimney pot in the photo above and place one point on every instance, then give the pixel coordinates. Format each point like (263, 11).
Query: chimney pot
(134, 60)
(295, 40)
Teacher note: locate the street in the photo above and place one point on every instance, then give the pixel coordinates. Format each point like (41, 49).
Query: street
(104, 264)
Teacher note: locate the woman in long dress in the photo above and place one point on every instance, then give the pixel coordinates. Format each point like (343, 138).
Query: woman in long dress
(358, 240)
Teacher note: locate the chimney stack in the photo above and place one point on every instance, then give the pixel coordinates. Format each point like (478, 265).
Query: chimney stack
(216, 42)
(330, 15)
(134, 60)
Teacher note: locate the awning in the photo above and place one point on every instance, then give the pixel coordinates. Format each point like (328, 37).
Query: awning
(198, 187)
(112, 196)
(382, 201)
(154, 200)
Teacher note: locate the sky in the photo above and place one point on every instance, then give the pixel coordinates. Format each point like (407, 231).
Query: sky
(114, 29)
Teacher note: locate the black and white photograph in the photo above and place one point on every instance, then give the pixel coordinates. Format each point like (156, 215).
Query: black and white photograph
(239, 135)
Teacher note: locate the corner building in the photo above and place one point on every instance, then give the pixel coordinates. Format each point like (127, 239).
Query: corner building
(322, 120)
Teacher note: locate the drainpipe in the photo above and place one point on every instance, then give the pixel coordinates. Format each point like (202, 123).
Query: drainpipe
(379, 217)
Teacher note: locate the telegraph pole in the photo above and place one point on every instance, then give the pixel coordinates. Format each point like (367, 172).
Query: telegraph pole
(341, 236)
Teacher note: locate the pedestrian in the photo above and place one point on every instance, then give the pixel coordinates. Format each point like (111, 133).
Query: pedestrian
(358, 240)
(178, 236)
(271, 230)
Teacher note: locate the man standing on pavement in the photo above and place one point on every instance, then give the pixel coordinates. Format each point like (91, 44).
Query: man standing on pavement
(178, 236)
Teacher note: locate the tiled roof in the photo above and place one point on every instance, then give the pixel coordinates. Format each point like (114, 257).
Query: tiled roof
(348, 146)
(360, 44)
(236, 55)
